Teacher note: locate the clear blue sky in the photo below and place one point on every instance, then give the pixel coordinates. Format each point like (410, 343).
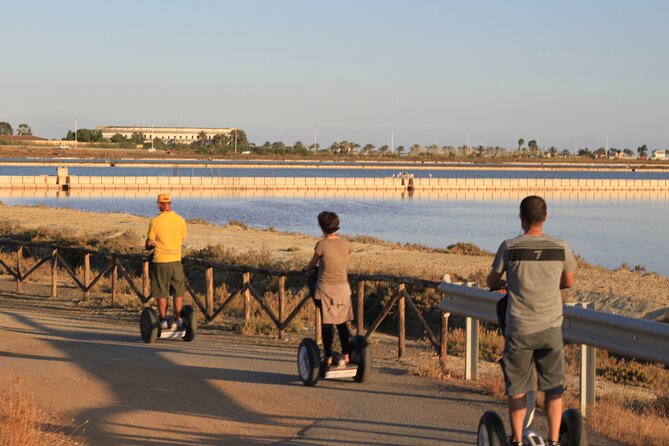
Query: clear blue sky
(570, 70)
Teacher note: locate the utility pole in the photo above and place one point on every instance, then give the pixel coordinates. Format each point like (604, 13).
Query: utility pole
(392, 140)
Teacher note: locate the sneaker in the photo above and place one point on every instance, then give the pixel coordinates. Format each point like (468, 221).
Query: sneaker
(164, 325)
(341, 363)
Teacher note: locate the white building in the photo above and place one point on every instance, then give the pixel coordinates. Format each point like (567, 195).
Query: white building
(177, 134)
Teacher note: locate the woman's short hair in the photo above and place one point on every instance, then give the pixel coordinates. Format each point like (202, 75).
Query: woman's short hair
(533, 209)
(328, 221)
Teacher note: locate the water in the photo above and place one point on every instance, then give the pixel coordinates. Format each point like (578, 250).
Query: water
(606, 229)
(326, 172)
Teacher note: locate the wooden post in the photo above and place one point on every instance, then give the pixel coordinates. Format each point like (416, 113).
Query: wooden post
(282, 302)
(114, 280)
(401, 320)
(318, 325)
(443, 348)
(246, 279)
(54, 273)
(146, 278)
(361, 307)
(87, 274)
(19, 261)
(209, 279)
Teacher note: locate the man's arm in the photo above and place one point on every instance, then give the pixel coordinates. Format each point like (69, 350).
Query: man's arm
(494, 280)
(150, 237)
(567, 280)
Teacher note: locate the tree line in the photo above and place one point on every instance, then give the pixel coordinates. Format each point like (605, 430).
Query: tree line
(7, 129)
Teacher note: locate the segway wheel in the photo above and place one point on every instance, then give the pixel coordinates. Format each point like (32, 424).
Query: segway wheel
(361, 356)
(491, 430)
(572, 429)
(309, 362)
(189, 319)
(148, 325)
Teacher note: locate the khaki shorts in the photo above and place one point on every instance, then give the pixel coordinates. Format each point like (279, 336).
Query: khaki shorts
(547, 351)
(167, 279)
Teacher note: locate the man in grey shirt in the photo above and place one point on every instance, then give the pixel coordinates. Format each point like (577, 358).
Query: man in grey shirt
(537, 267)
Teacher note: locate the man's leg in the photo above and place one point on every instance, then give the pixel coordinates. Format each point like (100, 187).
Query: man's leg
(162, 308)
(178, 305)
(553, 408)
(517, 412)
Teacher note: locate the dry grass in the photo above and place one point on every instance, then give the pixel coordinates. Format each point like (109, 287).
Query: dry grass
(23, 424)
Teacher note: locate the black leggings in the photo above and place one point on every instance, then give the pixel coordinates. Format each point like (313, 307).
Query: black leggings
(328, 337)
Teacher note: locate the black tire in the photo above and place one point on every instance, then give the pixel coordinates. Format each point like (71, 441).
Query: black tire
(148, 325)
(309, 362)
(572, 429)
(189, 319)
(491, 430)
(362, 357)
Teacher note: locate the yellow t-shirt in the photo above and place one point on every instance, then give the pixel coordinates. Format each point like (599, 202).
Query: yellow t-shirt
(168, 231)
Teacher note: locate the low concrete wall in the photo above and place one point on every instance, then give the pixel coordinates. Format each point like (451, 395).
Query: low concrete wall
(322, 183)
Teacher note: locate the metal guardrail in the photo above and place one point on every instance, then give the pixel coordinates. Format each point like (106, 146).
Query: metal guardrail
(636, 338)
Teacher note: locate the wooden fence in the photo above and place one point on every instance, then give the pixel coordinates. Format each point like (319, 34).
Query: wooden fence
(117, 267)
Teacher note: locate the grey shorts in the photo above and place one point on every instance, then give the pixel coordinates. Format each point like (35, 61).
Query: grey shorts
(547, 351)
(167, 279)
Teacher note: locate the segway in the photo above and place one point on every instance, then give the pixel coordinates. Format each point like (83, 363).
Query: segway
(312, 368)
(491, 427)
(149, 326)
(572, 428)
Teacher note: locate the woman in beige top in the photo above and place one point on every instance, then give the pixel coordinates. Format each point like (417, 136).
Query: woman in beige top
(333, 293)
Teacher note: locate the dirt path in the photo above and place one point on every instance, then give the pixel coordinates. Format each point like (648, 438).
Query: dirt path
(630, 293)
(220, 389)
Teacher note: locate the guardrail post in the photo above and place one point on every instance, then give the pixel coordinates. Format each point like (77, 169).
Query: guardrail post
(246, 279)
(146, 278)
(114, 282)
(282, 302)
(471, 348)
(401, 320)
(318, 325)
(587, 371)
(209, 303)
(19, 257)
(87, 274)
(443, 347)
(360, 322)
(54, 272)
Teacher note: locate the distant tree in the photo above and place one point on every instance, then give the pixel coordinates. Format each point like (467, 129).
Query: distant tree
(565, 153)
(628, 152)
(70, 136)
(6, 128)
(368, 148)
(117, 137)
(532, 144)
(600, 152)
(137, 138)
(521, 141)
(585, 152)
(86, 135)
(266, 145)
(159, 143)
(334, 147)
(642, 150)
(202, 137)
(24, 129)
(315, 146)
(299, 145)
(383, 148)
(400, 150)
(240, 136)
(552, 152)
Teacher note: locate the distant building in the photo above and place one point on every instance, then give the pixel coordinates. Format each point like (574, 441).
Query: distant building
(659, 155)
(176, 134)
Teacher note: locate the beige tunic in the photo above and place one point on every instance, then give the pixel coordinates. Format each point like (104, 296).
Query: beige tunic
(332, 288)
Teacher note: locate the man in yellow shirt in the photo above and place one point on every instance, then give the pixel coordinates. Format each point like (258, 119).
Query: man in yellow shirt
(167, 232)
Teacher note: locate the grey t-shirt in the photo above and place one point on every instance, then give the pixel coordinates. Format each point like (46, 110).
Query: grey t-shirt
(534, 266)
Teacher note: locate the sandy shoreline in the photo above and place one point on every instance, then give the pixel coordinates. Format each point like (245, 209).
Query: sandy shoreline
(624, 292)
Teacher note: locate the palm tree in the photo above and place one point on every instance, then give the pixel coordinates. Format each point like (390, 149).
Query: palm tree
(521, 141)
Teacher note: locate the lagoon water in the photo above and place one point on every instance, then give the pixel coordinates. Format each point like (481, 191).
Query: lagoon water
(607, 229)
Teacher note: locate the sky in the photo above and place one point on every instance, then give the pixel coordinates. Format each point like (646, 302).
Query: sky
(435, 72)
